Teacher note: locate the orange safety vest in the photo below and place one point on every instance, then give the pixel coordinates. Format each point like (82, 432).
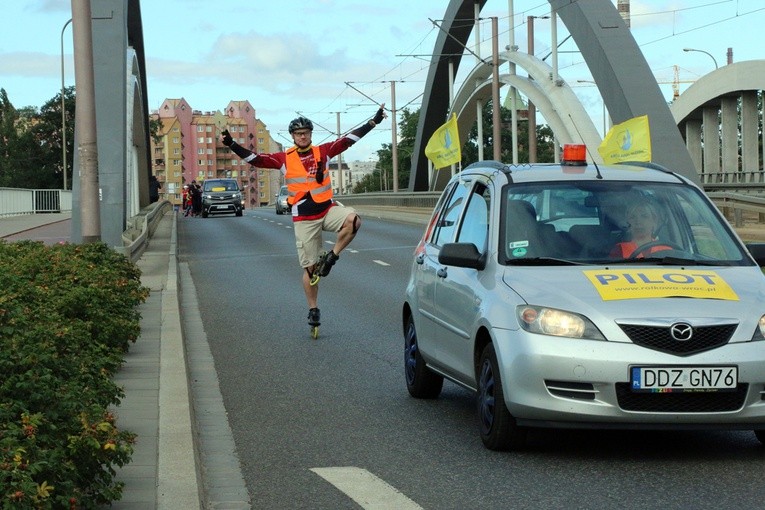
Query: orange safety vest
(299, 180)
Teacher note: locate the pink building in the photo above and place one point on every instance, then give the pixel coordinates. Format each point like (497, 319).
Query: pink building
(187, 146)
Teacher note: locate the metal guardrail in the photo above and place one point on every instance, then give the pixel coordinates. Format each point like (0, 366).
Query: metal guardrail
(734, 205)
(19, 201)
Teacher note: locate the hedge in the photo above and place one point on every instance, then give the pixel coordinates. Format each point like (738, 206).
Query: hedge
(68, 314)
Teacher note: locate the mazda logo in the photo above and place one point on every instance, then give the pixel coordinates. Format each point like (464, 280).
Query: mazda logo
(681, 331)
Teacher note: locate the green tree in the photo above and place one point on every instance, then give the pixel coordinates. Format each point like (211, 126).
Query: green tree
(31, 143)
(545, 139)
(383, 174)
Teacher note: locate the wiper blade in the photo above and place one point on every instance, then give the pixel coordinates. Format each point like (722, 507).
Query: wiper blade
(542, 261)
(665, 261)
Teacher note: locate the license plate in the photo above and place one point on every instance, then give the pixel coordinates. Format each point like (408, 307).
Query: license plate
(679, 379)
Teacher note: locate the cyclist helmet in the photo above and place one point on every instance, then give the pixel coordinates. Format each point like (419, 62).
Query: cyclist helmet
(300, 123)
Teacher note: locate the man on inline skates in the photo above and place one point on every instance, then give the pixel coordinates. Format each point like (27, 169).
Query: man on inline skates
(305, 168)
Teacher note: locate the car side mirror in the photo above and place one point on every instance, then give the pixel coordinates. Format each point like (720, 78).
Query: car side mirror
(757, 251)
(461, 255)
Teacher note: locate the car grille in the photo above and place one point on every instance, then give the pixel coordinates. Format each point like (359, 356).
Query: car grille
(684, 402)
(221, 197)
(658, 338)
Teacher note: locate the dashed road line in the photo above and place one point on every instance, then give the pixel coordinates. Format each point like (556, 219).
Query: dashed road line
(367, 490)
(380, 262)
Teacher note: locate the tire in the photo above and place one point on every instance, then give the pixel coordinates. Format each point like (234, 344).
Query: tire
(239, 212)
(420, 380)
(204, 213)
(497, 426)
(278, 211)
(760, 435)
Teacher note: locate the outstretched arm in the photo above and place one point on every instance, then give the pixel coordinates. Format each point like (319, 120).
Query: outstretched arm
(259, 160)
(344, 142)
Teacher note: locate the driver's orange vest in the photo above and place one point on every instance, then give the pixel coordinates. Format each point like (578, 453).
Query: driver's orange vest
(300, 181)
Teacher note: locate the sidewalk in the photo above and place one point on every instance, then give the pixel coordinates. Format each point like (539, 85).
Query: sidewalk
(162, 473)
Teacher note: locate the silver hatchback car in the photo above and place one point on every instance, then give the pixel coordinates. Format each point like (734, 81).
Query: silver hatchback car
(576, 295)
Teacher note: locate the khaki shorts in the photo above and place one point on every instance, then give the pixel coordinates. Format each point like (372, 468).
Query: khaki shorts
(308, 233)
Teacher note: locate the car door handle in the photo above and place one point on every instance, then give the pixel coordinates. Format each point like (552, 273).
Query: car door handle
(442, 273)
(420, 259)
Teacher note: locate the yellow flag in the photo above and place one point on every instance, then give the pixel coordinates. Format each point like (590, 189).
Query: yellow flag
(628, 141)
(443, 148)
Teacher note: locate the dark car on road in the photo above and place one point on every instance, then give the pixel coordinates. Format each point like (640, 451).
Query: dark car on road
(221, 196)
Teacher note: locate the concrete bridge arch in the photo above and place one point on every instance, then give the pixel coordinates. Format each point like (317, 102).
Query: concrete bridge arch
(718, 116)
(618, 67)
(557, 102)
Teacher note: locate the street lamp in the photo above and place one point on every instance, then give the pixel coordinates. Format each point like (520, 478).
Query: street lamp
(63, 110)
(702, 51)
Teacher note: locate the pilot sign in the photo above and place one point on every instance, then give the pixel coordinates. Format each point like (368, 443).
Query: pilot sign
(641, 283)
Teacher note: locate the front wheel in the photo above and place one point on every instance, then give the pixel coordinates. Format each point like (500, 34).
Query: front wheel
(420, 380)
(498, 428)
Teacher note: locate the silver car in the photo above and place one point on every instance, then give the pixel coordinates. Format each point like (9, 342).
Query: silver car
(282, 206)
(576, 295)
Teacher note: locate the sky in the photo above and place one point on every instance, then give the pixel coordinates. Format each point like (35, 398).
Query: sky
(326, 59)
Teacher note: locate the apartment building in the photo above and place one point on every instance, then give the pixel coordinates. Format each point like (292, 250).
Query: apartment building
(187, 147)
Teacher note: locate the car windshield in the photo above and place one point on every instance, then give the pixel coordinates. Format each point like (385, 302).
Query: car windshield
(614, 223)
(220, 186)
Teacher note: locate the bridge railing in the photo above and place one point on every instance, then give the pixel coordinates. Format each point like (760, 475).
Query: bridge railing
(18, 201)
(754, 178)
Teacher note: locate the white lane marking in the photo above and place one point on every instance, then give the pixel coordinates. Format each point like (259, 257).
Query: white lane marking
(381, 262)
(353, 251)
(369, 491)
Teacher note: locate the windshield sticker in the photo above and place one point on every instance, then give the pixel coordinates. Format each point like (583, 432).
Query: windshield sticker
(218, 188)
(659, 283)
(518, 248)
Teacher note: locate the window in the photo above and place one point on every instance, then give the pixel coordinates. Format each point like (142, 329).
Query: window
(176, 151)
(176, 140)
(200, 151)
(475, 224)
(201, 162)
(208, 129)
(201, 139)
(209, 151)
(209, 140)
(447, 223)
(200, 129)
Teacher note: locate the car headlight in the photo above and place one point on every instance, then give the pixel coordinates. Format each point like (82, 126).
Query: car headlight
(237, 195)
(549, 321)
(205, 197)
(759, 332)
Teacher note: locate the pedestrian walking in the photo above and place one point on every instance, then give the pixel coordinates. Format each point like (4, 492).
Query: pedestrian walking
(154, 188)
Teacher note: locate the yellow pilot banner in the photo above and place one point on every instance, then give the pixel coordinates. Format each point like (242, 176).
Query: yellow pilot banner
(443, 148)
(628, 141)
(614, 284)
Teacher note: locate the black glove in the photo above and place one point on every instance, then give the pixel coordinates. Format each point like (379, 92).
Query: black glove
(379, 116)
(227, 140)
(320, 173)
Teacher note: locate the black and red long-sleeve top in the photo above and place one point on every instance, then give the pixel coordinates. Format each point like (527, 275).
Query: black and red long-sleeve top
(305, 208)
